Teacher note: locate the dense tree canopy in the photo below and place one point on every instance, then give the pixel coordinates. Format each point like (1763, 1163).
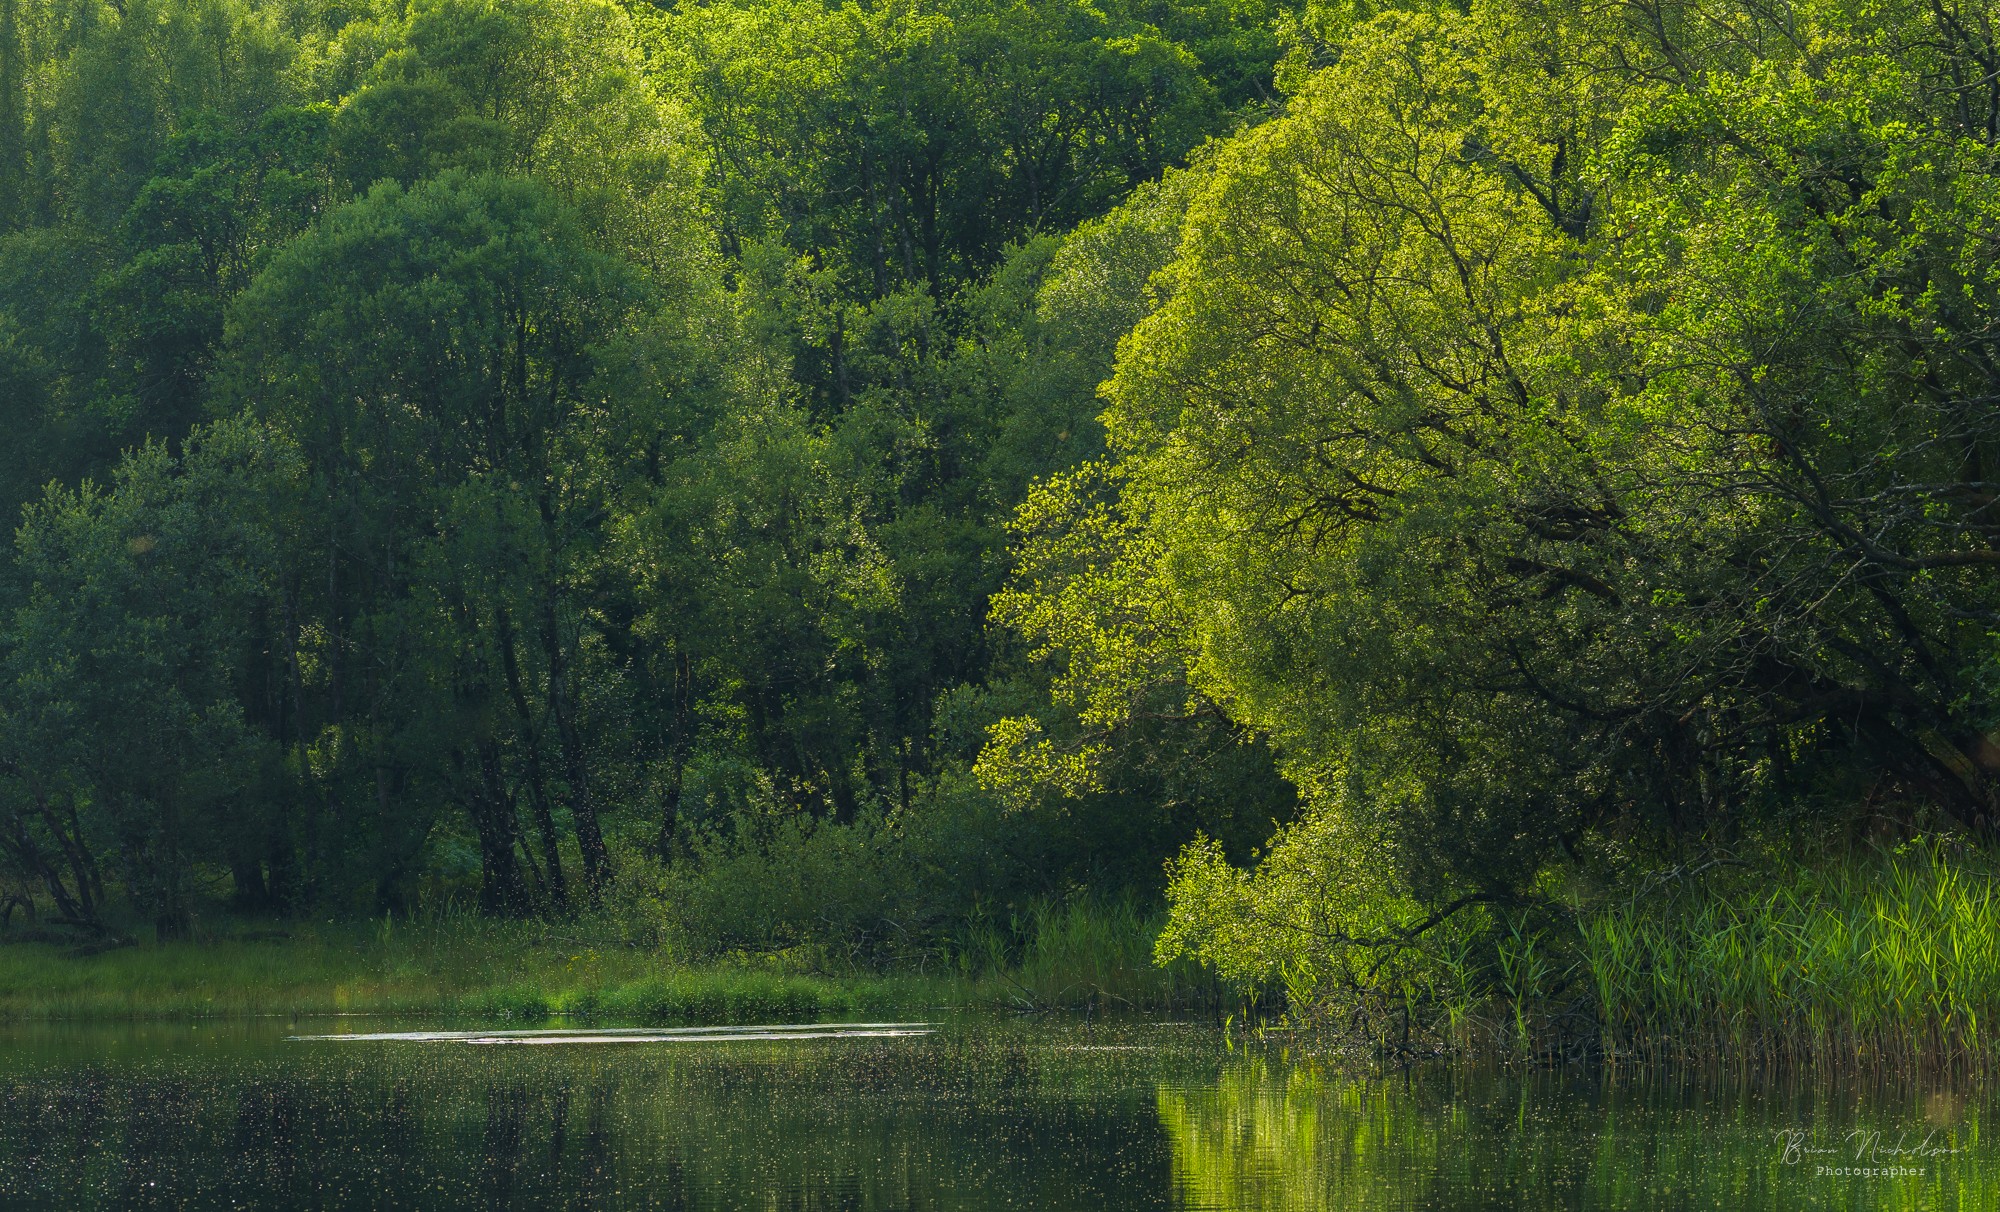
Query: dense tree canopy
(1564, 435)
(474, 447)
(541, 451)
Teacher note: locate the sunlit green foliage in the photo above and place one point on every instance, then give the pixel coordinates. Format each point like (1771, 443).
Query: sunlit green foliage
(1564, 437)
(1887, 958)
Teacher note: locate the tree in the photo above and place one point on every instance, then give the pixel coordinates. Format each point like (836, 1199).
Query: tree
(440, 355)
(142, 622)
(1560, 437)
(222, 199)
(550, 89)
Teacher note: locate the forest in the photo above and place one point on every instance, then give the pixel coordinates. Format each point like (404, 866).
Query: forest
(1365, 489)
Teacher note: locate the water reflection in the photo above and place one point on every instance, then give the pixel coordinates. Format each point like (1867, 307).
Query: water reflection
(626, 1035)
(1267, 1134)
(978, 1116)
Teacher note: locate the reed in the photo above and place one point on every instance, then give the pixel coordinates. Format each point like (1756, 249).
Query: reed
(1887, 959)
(1079, 954)
(1883, 958)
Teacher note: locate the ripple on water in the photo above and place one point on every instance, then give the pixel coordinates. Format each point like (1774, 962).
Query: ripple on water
(631, 1035)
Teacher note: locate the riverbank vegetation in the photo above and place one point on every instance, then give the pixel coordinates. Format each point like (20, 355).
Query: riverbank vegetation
(1083, 957)
(1449, 515)
(1887, 960)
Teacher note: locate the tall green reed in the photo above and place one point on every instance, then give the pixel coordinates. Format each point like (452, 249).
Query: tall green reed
(1884, 958)
(1079, 953)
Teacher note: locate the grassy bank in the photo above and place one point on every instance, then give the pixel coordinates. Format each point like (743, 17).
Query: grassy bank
(1080, 956)
(488, 974)
(1884, 959)
(1889, 958)
(1880, 959)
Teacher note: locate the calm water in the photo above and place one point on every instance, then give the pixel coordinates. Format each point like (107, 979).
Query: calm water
(975, 1115)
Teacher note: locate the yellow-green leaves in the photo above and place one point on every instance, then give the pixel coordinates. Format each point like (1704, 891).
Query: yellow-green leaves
(1547, 415)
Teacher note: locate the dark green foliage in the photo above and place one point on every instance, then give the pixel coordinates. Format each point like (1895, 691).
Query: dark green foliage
(624, 410)
(142, 624)
(702, 1000)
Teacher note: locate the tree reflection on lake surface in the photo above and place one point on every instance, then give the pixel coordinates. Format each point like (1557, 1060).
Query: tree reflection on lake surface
(979, 1114)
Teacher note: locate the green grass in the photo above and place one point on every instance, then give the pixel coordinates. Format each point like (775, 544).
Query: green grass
(1072, 956)
(1881, 959)
(1082, 955)
(487, 975)
(1884, 959)
(1889, 958)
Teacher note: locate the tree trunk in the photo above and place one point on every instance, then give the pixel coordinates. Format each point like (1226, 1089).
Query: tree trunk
(678, 749)
(501, 890)
(582, 807)
(531, 752)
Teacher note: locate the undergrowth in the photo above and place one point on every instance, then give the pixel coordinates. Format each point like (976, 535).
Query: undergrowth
(1079, 955)
(1889, 958)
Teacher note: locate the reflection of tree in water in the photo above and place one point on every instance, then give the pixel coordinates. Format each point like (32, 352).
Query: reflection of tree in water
(52, 1129)
(506, 1128)
(597, 1176)
(156, 1118)
(273, 1118)
(558, 1143)
(429, 1129)
(1266, 1134)
(972, 1125)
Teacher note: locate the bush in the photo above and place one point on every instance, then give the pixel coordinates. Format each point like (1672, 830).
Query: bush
(522, 1003)
(710, 999)
(1892, 954)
